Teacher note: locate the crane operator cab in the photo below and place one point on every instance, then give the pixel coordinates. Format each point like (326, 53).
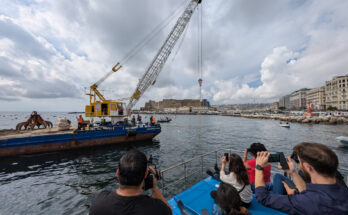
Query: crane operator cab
(107, 108)
(101, 107)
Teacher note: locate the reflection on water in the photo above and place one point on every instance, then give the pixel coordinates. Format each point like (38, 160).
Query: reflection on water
(65, 182)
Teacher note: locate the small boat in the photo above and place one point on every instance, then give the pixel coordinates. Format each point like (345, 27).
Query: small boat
(164, 120)
(342, 140)
(197, 200)
(285, 125)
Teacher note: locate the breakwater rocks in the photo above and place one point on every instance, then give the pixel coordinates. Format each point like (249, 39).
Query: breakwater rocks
(331, 120)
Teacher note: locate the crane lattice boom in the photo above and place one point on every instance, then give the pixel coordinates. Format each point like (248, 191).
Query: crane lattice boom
(161, 57)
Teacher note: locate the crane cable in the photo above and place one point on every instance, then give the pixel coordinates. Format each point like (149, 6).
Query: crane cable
(200, 61)
(135, 50)
(201, 40)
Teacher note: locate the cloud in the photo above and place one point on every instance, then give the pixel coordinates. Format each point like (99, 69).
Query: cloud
(23, 41)
(252, 51)
(30, 66)
(290, 67)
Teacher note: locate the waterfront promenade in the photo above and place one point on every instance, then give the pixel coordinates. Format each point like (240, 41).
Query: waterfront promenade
(325, 118)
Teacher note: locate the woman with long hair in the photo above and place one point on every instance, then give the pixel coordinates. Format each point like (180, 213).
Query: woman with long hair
(237, 176)
(228, 201)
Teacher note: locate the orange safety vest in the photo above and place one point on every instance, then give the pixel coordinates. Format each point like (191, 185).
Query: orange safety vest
(80, 120)
(139, 117)
(153, 120)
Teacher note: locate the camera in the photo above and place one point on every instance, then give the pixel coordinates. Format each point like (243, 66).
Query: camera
(226, 156)
(148, 182)
(279, 157)
(294, 157)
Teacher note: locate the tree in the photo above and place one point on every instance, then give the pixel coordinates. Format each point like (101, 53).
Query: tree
(330, 108)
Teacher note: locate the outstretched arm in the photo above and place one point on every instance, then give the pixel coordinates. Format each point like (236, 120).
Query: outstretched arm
(261, 160)
(156, 193)
(299, 182)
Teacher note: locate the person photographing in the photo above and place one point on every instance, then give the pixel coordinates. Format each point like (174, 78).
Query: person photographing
(128, 198)
(321, 196)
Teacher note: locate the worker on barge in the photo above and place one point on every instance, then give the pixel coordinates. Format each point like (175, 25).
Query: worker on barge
(81, 124)
(321, 196)
(139, 118)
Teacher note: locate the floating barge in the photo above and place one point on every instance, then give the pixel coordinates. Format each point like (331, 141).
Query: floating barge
(45, 140)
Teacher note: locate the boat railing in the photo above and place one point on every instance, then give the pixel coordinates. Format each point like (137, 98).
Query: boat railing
(186, 172)
(202, 167)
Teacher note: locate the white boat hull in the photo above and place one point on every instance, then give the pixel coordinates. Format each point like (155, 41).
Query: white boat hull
(342, 140)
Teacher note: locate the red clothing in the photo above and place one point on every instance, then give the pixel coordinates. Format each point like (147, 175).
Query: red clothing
(80, 120)
(251, 171)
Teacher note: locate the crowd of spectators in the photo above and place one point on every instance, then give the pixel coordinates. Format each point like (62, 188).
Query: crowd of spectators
(314, 187)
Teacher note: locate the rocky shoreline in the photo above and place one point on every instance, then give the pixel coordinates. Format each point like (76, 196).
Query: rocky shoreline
(328, 120)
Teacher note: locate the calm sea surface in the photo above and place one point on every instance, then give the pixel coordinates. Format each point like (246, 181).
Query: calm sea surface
(66, 182)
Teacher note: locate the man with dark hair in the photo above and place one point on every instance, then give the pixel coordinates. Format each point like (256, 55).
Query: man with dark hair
(284, 185)
(322, 196)
(250, 165)
(128, 199)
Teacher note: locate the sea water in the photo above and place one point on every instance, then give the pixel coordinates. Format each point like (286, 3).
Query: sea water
(66, 182)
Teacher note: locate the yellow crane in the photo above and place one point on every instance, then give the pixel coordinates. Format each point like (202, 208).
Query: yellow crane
(116, 109)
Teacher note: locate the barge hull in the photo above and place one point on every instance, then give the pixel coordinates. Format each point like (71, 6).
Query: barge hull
(46, 142)
(73, 144)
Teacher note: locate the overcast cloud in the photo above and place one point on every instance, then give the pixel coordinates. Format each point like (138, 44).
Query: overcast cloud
(254, 51)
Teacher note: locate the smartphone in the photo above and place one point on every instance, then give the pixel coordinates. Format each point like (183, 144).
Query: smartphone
(274, 157)
(226, 156)
(290, 185)
(279, 157)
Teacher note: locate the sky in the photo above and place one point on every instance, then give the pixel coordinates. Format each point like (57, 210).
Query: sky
(253, 51)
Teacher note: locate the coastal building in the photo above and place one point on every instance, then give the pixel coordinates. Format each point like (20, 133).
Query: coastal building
(275, 105)
(200, 109)
(205, 103)
(298, 99)
(284, 102)
(183, 109)
(169, 110)
(316, 98)
(336, 93)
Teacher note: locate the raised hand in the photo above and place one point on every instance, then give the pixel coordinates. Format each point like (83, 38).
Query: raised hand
(262, 159)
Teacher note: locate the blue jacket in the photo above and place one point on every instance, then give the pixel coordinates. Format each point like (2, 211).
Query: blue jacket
(316, 199)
